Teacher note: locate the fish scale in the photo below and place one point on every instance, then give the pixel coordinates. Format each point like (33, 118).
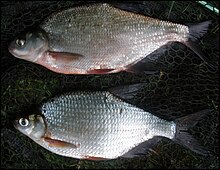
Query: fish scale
(105, 128)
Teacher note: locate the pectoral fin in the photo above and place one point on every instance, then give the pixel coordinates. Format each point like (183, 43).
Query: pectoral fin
(59, 143)
(64, 57)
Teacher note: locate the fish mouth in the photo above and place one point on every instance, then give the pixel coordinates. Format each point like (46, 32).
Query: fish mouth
(14, 52)
(15, 124)
(11, 50)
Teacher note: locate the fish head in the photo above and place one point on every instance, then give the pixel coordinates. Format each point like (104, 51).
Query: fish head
(32, 126)
(29, 46)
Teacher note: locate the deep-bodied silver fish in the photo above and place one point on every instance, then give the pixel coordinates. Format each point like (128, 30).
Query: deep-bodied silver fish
(100, 39)
(100, 125)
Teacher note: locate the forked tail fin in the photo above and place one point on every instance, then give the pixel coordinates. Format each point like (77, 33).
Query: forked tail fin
(198, 30)
(195, 32)
(184, 138)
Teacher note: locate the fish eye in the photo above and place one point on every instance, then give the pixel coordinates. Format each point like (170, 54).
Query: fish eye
(23, 122)
(20, 42)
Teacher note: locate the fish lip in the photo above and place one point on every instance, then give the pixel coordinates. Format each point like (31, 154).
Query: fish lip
(10, 49)
(15, 124)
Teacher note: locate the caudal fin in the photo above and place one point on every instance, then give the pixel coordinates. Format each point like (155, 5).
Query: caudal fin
(195, 32)
(184, 138)
(198, 30)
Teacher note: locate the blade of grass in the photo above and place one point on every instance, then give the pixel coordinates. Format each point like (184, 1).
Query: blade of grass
(171, 7)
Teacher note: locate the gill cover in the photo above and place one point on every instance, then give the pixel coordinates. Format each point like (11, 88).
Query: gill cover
(33, 126)
(30, 46)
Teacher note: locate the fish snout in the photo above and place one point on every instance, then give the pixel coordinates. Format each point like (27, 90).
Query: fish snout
(15, 123)
(11, 50)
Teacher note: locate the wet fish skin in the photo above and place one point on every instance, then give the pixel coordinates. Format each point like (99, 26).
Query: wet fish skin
(97, 125)
(100, 39)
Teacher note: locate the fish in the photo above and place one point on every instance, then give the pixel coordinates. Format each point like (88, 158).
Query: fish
(100, 125)
(101, 39)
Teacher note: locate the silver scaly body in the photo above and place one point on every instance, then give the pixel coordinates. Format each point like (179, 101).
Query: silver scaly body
(107, 37)
(101, 124)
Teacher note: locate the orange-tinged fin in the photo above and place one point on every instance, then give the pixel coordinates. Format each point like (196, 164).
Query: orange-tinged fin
(63, 57)
(184, 138)
(94, 158)
(59, 143)
(100, 71)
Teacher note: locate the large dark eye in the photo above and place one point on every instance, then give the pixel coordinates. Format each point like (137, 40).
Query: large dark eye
(20, 42)
(23, 122)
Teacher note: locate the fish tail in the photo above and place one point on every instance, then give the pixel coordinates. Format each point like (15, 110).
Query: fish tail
(184, 138)
(195, 32)
(198, 30)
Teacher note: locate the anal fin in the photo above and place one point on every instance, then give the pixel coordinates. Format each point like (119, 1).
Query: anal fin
(142, 67)
(143, 148)
(100, 71)
(150, 64)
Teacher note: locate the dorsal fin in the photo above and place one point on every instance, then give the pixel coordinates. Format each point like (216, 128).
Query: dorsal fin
(126, 92)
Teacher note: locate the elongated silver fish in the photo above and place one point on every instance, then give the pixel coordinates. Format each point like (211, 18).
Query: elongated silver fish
(99, 125)
(100, 39)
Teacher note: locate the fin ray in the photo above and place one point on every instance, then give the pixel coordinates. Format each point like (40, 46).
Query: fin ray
(197, 30)
(64, 57)
(184, 138)
(143, 148)
(126, 92)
